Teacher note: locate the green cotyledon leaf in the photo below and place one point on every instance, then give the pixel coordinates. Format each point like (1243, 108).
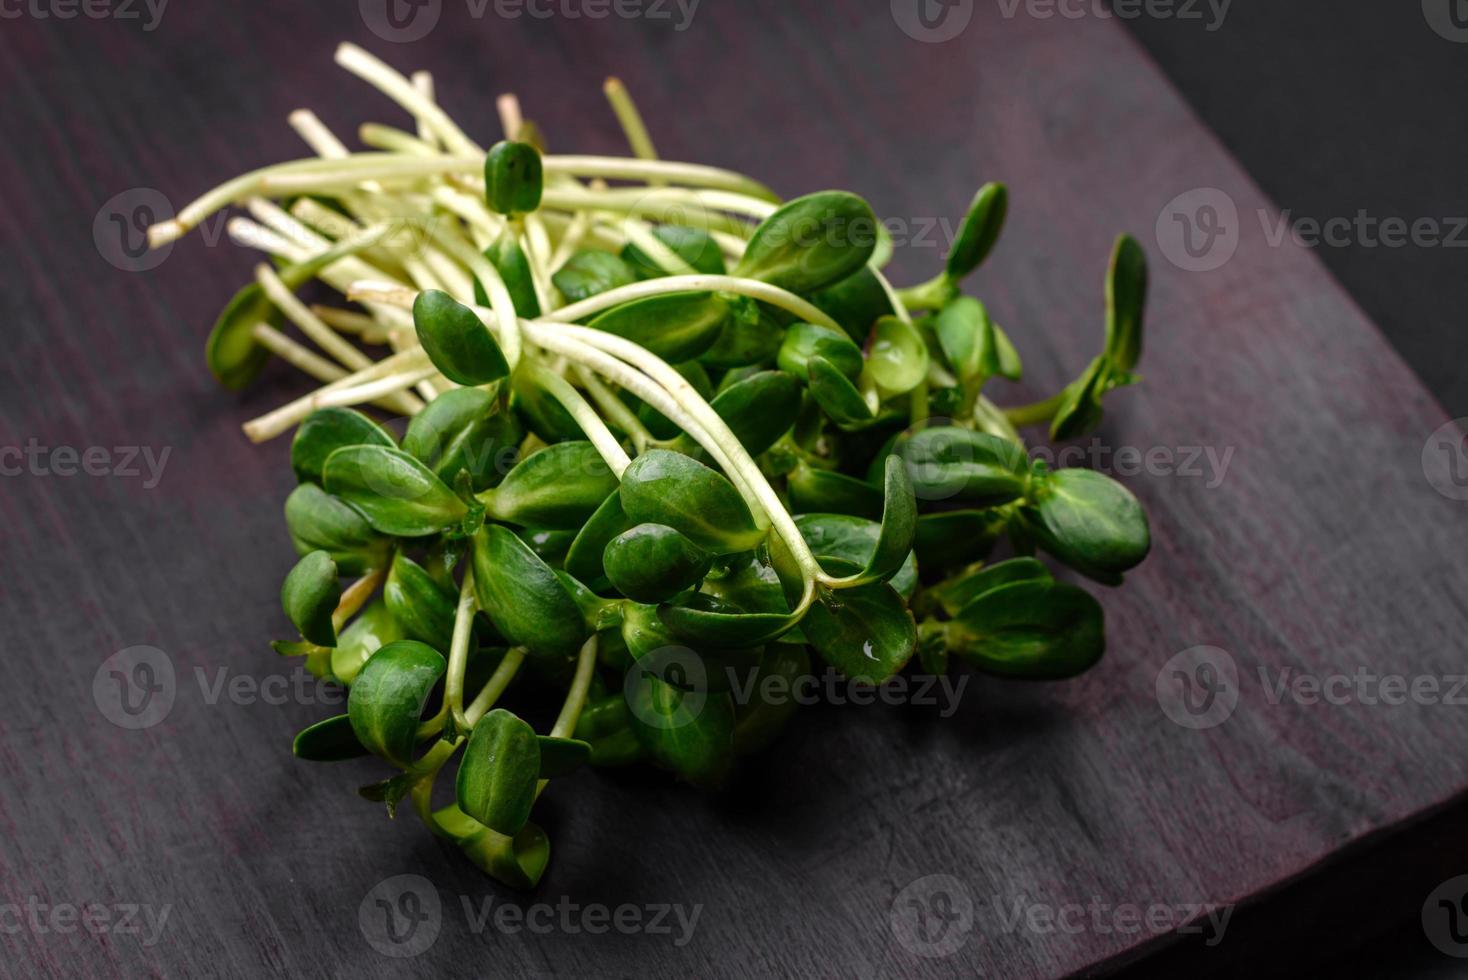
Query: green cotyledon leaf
(310, 595)
(866, 632)
(675, 326)
(458, 343)
(513, 177)
(811, 242)
(1036, 629)
(386, 701)
(664, 487)
(558, 487)
(317, 521)
(328, 429)
(653, 562)
(1089, 521)
(395, 492)
(523, 596)
(497, 776)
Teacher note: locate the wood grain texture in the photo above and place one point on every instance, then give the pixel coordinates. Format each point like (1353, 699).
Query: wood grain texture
(1322, 548)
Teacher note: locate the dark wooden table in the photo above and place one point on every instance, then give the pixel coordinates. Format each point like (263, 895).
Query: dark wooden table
(1040, 824)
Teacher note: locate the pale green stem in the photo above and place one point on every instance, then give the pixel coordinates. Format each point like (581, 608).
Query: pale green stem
(459, 650)
(639, 384)
(401, 90)
(575, 698)
(1037, 412)
(718, 430)
(582, 413)
(753, 288)
(495, 686)
(617, 411)
(630, 120)
(691, 174)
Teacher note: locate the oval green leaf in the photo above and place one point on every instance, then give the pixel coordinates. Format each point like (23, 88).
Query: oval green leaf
(457, 341)
(325, 431)
(396, 492)
(513, 177)
(317, 521)
(310, 595)
(558, 487)
(497, 777)
(897, 356)
(386, 702)
(523, 596)
(979, 231)
(418, 604)
(675, 326)
(1089, 521)
(664, 487)
(331, 740)
(1037, 630)
(464, 430)
(653, 562)
(589, 273)
(811, 242)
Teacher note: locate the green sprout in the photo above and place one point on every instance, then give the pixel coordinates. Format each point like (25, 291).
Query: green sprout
(661, 427)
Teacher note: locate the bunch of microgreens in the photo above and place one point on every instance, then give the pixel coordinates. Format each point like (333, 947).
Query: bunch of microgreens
(659, 433)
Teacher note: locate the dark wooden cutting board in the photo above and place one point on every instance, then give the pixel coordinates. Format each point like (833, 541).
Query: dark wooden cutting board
(1322, 547)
